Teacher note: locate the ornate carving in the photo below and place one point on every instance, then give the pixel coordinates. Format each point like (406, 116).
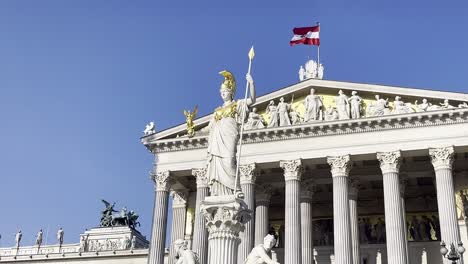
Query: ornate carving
(389, 161)
(263, 193)
(183, 255)
(340, 165)
(248, 174)
(201, 176)
(442, 158)
(292, 169)
(163, 180)
(179, 198)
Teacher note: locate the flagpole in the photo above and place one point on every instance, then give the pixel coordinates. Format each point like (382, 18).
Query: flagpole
(318, 49)
(251, 56)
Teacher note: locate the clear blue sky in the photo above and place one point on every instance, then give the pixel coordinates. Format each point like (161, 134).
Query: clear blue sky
(80, 79)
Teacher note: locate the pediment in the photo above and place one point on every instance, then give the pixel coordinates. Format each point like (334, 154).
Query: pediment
(328, 92)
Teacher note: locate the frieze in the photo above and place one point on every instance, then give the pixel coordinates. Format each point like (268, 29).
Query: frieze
(326, 128)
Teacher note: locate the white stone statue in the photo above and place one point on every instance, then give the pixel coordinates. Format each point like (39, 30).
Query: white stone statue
(320, 72)
(18, 237)
(446, 105)
(261, 254)
(311, 69)
(255, 121)
(295, 118)
(183, 255)
(378, 108)
(84, 244)
(331, 114)
(355, 102)
(224, 136)
(150, 129)
(272, 110)
(400, 107)
(39, 238)
(60, 234)
(313, 105)
(283, 113)
(463, 105)
(301, 73)
(423, 107)
(342, 105)
(133, 243)
(126, 242)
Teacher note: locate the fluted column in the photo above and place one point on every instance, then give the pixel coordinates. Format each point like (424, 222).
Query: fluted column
(292, 176)
(442, 160)
(340, 167)
(403, 183)
(163, 182)
(179, 210)
(395, 231)
(307, 190)
(247, 182)
(200, 234)
(262, 203)
(353, 217)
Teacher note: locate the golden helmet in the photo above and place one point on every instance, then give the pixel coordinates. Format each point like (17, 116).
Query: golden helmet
(229, 82)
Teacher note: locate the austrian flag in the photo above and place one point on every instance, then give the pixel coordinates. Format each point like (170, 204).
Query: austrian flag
(306, 35)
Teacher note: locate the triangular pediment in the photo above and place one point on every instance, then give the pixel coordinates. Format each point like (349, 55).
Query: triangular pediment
(328, 92)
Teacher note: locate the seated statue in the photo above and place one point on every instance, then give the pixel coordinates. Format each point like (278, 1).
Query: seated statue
(184, 255)
(261, 254)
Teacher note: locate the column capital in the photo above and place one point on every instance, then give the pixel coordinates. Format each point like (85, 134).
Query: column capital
(354, 184)
(307, 190)
(292, 169)
(201, 176)
(248, 173)
(389, 161)
(442, 158)
(340, 165)
(263, 193)
(163, 180)
(179, 198)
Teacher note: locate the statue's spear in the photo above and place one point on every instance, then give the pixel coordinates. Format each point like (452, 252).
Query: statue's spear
(251, 56)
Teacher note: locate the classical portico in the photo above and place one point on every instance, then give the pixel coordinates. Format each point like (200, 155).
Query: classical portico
(335, 191)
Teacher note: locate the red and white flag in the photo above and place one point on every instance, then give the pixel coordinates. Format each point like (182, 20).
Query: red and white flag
(306, 35)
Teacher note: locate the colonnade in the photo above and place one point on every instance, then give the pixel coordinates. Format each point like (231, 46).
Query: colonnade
(298, 241)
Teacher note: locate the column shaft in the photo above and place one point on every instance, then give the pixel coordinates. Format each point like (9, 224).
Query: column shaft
(158, 234)
(306, 231)
(353, 217)
(200, 234)
(177, 229)
(248, 236)
(341, 221)
(261, 221)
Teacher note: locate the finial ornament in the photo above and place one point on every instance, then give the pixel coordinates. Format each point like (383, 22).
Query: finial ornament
(229, 82)
(442, 158)
(189, 117)
(389, 161)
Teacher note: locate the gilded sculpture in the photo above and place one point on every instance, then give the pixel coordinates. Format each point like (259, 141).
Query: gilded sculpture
(189, 117)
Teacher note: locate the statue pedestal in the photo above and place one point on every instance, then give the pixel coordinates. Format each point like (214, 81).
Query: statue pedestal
(226, 217)
(112, 238)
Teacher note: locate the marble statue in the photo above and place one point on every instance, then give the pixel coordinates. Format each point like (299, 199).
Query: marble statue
(272, 110)
(436, 226)
(355, 102)
(311, 69)
(446, 105)
(425, 228)
(189, 117)
(301, 73)
(283, 115)
(126, 243)
(362, 231)
(183, 255)
(331, 113)
(60, 234)
(133, 243)
(463, 105)
(84, 243)
(313, 105)
(464, 200)
(149, 129)
(320, 72)
(379, 107)
(18, 237)
(295, 118)
(423, 107)
(400, 107)
(254, 121)
(342, 105)
(39, 238)
(224, 136)
(414, 229)
(261, 254)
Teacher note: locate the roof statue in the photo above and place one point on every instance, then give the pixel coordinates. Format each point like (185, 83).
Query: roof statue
(189, 117)
(311, 70)
(122, 218)
(149, 129)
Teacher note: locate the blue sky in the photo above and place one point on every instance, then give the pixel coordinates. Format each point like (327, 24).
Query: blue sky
(80, 79)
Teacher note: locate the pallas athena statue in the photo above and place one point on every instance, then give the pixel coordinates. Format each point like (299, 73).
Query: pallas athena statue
(224, 136)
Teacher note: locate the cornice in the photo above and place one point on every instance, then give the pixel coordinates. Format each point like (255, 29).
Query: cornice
(322, 129)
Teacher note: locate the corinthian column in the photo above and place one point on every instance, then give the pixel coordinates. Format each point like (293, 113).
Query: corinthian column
(247, 181)
(163, 182)
(340, 167)
(200, 234)
(403, 183)
(353, 217)
(179, 209)
(442, 160)
(307, 190)
(292, 176)
(394, 215)
(262, 199)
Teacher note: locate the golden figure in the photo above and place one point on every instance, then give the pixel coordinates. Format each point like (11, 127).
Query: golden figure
(189, 117)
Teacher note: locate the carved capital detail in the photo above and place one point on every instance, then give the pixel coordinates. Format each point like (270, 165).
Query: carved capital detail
(201, 176)
(248, 173)
(292, 169)
(179, 198)
(307, 190)
(263, 193)
(163, 180)
(389, 161)
(340, 165)
(442, 158)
